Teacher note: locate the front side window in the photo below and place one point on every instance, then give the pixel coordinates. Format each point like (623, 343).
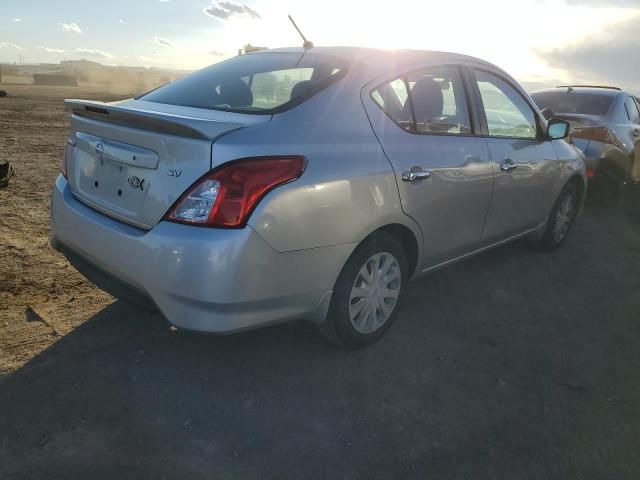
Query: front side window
(632, 110)
(431, 100)
(254, 83)
(508, 114)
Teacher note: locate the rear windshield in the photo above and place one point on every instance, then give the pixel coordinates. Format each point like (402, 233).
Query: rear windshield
(255, 83)
(573, 102)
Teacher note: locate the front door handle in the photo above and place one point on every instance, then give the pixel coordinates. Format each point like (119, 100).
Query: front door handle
(507, 165)
(415, 174)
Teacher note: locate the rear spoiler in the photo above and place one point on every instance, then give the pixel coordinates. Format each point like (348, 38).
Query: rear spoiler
(121, 113)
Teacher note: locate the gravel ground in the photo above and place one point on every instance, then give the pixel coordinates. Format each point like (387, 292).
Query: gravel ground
(511, 365)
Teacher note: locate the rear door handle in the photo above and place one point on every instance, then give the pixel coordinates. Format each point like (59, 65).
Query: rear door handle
(507, 165)
(415, 174)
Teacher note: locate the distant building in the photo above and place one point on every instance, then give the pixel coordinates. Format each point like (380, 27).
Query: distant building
(55, 79)
(248, 48)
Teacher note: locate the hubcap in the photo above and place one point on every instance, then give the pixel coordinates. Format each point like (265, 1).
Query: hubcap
(374, 293)
(564, 216)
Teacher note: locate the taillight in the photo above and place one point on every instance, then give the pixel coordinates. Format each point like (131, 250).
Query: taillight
(226, 196)
(600, 134)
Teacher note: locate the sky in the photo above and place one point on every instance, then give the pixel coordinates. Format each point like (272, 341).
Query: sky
(539, 41)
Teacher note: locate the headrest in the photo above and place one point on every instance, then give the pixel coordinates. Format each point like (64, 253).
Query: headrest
(235, 93)
(428, 100)
(300, 88)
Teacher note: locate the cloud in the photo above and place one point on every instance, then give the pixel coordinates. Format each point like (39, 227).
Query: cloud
(10, 45)
(162, 42)
(217, 53)
(52, 50)
(121, 21)
(224, 10)
(95, 52)
(71, 27)
(605, 3)
(610, 56)
(17, 20)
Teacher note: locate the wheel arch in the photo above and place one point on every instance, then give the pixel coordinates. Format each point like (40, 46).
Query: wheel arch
(581, 189)
(408, 240)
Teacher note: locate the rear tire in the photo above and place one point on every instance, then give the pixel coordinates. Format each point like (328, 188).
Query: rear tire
(560, 219)
(367, 293)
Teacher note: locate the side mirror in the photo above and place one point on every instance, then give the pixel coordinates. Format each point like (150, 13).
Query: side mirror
(558, 129)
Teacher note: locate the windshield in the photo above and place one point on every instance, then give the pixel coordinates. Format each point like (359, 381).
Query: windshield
(574, 102)
(255, 83)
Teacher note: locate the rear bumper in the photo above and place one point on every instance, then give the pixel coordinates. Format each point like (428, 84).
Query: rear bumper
(201, 279)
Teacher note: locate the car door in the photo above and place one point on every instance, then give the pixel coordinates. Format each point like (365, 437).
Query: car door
(526, 163)
(423, 121)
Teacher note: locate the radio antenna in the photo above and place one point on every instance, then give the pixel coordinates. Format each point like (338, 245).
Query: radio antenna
(307, 44)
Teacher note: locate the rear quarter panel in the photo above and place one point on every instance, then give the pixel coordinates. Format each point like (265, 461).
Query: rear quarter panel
(348, 189)
(617, 156)
(571, 165)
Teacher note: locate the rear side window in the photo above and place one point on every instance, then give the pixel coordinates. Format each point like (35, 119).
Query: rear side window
(430, 100)
(392, 98)
(573, 102)
(632, 110)
(255, 83)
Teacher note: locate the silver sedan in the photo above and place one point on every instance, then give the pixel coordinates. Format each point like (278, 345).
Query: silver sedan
(308, 184)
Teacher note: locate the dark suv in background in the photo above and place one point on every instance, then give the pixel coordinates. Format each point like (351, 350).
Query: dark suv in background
(606, 127)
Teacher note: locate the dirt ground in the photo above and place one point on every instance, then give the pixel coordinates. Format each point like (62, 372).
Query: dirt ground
(41, 297)
(511, 365)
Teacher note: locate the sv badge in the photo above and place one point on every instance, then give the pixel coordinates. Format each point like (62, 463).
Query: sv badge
(172, 172)
(135, 182)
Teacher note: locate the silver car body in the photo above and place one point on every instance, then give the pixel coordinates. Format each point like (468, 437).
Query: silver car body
(284, 263)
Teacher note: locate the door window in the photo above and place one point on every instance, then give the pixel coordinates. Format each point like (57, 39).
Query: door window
(632, 110)
(431, 100)
(507, 112)
(392, 98)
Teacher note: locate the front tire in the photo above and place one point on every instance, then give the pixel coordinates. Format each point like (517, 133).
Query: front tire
(560, 219)
(367, 294)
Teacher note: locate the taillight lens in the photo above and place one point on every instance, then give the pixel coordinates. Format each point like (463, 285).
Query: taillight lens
(599, 134)
(226, 196)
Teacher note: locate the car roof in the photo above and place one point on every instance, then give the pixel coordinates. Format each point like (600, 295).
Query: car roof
(377, 56)
(608, 91)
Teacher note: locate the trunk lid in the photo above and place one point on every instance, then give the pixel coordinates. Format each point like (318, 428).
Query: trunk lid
(132, 160)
